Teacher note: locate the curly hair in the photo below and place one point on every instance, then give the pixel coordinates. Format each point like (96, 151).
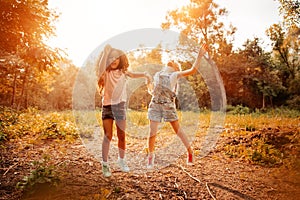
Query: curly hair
(124, 63)
(175, 65)
(123, 66)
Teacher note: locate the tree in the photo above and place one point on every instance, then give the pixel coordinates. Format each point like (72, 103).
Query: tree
(142, 59)
(286, 51)
(201, 21)
(291, 12)
(60, 97)
(261, 76)
(24, 56)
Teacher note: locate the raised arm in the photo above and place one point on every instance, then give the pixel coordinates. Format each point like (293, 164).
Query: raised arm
(196, 64)
(104, 57)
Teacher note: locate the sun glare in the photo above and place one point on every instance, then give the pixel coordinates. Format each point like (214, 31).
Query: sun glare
(251, 18)
(84, 25)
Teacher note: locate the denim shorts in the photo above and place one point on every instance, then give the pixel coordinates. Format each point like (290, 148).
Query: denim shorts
(165, 111)
(116, 112)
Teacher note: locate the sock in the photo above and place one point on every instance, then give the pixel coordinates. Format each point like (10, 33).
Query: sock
(121, 158)
(104, 163)
(151, 158)
(151, 154)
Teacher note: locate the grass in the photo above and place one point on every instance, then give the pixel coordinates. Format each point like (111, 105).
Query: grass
(268, 139)
(260, 138)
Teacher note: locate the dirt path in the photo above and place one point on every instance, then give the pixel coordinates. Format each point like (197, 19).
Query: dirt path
(212, 177)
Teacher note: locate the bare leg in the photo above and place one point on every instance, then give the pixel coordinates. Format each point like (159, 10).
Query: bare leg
(121, 126)
(107, 126)
(178, 130)
(152, 135)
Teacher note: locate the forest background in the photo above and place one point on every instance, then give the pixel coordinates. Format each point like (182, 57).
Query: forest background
(34, 74)
(39, 140)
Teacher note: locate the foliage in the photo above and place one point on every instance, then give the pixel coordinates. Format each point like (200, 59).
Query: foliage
(3, 136)
(60, 97)
(7, 117)
(270, 112)
(285, 44)
(43, 174)
(267, 139)
(290, 11)
(201, 22)
(256, 151)
(250, 72)
(261, 77)
(239, 109)
(142, 56)
(294, 103)
(25, 22)
(35, 75)
(53, 125)
(24, 55)
(283, 111)
(138, 118)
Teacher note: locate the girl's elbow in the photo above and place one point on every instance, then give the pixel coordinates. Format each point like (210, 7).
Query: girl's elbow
(194, 70)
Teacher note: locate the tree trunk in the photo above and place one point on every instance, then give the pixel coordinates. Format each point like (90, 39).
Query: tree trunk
(13, 98)
(23, 88)
(263, 101)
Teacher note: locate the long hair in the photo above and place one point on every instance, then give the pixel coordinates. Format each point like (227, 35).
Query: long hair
(123, 66)
(174, 64)
(124, 63)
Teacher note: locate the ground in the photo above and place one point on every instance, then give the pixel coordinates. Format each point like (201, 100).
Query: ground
(215, 176)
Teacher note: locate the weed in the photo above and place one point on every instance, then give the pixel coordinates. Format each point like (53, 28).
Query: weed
(51, 125)
(138, 118)
(43, 174)
(239, 109)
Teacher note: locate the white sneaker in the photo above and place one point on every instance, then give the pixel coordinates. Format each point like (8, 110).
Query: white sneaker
(105, 170)
(151, 158)
(122, 164)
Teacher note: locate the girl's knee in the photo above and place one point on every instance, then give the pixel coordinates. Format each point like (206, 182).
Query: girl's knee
(108, 137)
(121, 136)
(152, 134)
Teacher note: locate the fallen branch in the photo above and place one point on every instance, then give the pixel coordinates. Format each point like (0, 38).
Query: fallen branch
(10, 167)
(199, 182)
(107, 196)
(176, 185)
(212, 196)
(185, 195)
(190, 174)
(160, 196)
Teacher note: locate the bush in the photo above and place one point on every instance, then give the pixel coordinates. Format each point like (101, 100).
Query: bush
(43, 175)
(239, 109)
(52, 125)
(294, 103)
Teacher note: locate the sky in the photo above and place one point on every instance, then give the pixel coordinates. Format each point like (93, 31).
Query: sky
(84, 25)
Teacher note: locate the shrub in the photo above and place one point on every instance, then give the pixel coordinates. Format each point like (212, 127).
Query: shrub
(43, 175)
(239, 109)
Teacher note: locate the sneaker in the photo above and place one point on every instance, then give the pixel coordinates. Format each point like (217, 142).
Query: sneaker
(105, 170)
(151, 159)
(123, 166)
(190, 159)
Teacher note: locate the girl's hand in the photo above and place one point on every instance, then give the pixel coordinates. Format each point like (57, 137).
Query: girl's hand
(203, 50)
(148, 78)
(107, 49)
